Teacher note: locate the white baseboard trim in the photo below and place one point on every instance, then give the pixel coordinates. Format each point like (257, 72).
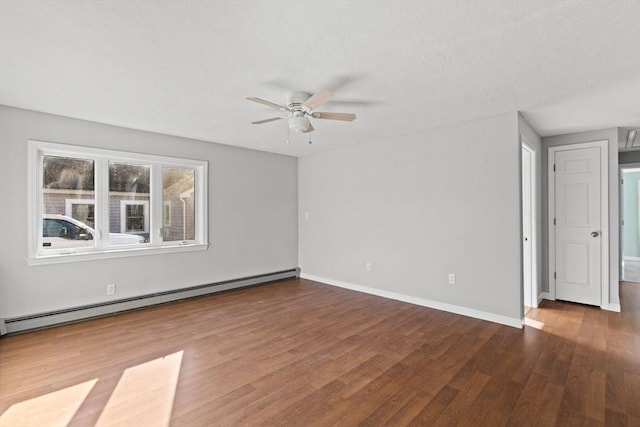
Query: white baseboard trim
(544, 295)
(612, 307)
(456, 309)
(76, 314)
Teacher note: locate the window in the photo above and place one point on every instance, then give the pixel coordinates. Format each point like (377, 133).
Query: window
(178, 194)
(88, 203)
(134, 216)
(129, 195)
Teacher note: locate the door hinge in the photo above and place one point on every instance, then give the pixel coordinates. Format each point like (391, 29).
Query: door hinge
(554, 167)
(554, 275)
(622, 181)
(622, 222)
(554, 221)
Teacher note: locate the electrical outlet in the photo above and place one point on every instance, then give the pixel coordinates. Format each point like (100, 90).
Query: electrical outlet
(452, 279)
(111, 289)
(368, 266)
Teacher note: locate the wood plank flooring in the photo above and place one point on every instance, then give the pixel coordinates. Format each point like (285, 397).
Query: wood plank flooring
(300, 353)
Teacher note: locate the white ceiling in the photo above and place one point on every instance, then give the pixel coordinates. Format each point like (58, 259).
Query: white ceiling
(184, 68)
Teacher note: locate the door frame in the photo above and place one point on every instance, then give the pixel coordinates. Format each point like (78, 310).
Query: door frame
(604, 215)
(621, 169)
(535, 292)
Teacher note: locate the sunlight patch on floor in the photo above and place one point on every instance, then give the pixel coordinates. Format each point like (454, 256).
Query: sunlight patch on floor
(533, 323)
(144, 395)
(51, 409)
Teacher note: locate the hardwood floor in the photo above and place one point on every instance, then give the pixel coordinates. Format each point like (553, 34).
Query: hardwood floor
(300, 353)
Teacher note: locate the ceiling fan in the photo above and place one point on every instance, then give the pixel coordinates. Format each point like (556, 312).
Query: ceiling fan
(300, 107)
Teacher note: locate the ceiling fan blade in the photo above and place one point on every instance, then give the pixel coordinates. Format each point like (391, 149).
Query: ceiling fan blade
(345, 117)
(309, 129)
(317, 99)
(265, 102)
(272, 119)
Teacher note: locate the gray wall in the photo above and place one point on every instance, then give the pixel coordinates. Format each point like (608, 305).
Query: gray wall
(444, 201)
(535, 142)
(252, 218)
(611, 135)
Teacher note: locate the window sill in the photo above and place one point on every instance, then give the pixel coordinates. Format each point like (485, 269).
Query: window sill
(59, 258)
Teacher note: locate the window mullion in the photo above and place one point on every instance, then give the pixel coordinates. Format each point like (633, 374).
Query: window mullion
(101, 210)
(156, 206)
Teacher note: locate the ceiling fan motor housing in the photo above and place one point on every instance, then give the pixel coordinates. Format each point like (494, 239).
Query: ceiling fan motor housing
(296, 99)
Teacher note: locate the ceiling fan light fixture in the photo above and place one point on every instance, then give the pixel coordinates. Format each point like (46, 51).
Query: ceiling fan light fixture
(299, 123)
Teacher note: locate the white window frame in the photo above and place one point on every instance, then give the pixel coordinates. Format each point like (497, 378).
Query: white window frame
(123, 215)
(102, 157)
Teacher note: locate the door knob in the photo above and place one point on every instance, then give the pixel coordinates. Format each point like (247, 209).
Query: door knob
(594, 234)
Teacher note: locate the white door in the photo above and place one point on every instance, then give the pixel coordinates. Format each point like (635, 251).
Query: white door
(578, 226)
(527, 235)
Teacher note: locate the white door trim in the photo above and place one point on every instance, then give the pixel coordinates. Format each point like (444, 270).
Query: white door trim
(534, 227)
(621, 258)
(604, 215)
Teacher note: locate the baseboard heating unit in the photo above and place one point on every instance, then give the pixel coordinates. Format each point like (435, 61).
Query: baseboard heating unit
(75, 314)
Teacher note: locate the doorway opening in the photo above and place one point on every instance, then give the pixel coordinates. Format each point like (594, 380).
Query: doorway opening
(630, 222)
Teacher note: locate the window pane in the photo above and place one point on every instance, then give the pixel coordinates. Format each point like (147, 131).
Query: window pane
(129, 187)
(84, 212)
(68, 198)
(135, 218)
(178, 217)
